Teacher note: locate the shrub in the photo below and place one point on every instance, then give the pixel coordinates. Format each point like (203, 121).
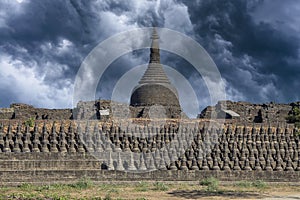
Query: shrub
(160, 186)
(259, 184)
(29, 122)
(211, 183)
(294, 116)
(244, 184)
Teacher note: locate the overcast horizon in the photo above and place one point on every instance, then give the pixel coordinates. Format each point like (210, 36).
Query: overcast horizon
(255, 45)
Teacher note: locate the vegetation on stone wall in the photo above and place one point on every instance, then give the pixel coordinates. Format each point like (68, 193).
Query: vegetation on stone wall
(30, 122)
(294, 116)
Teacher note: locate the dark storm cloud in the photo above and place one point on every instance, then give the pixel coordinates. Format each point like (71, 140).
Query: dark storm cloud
(40, 38)
(40, 28)
(49, 40)
(259, 61)
(254, 43)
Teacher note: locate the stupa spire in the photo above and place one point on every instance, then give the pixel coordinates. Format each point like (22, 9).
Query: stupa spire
(154, 51)
(155, 96)
(155, 72)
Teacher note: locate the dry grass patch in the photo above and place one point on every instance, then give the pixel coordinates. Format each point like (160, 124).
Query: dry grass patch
(86, 189)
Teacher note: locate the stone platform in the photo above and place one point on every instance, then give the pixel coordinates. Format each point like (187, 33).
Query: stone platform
(109, 151)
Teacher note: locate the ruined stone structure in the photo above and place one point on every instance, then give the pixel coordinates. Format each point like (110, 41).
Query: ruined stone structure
(102, 110)
(188, 150)
(267, 113)
(155, 93)
(24, 112)
(90, 110)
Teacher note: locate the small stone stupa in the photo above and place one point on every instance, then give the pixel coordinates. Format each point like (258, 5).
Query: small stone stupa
(154, 96)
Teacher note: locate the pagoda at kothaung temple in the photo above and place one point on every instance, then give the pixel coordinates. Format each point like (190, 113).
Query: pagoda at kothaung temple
(155, 96)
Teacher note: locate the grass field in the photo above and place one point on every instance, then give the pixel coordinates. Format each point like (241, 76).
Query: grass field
(205, 189)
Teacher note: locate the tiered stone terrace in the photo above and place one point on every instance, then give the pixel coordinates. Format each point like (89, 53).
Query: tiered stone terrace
(104, 151)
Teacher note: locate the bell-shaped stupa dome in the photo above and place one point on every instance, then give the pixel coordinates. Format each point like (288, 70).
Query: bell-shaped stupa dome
(154, 88)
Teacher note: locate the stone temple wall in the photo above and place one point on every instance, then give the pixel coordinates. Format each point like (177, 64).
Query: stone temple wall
(89, 110)
(25, 112)
(268, 113)
(188, 150)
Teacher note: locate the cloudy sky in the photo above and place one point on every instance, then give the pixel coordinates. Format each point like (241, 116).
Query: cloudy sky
(254, 43)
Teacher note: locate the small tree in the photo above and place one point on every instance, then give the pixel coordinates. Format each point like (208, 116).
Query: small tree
(294, 117)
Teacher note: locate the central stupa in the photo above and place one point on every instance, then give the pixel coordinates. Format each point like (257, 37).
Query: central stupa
(155, 91)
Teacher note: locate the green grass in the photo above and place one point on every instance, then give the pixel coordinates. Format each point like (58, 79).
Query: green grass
(86, 189)
(83, 184)
(142, 187)
(211, 183)
(243, 184)
(259, 184)
(26, 186)
(107, 197)
(58, 197)
(157, 186)
(160, 186)
(56, 187)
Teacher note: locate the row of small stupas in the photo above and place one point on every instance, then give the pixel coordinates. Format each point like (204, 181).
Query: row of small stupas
(46, 144)
(189, 146)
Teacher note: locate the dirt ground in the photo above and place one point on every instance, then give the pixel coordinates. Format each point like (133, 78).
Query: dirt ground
(152, 190)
